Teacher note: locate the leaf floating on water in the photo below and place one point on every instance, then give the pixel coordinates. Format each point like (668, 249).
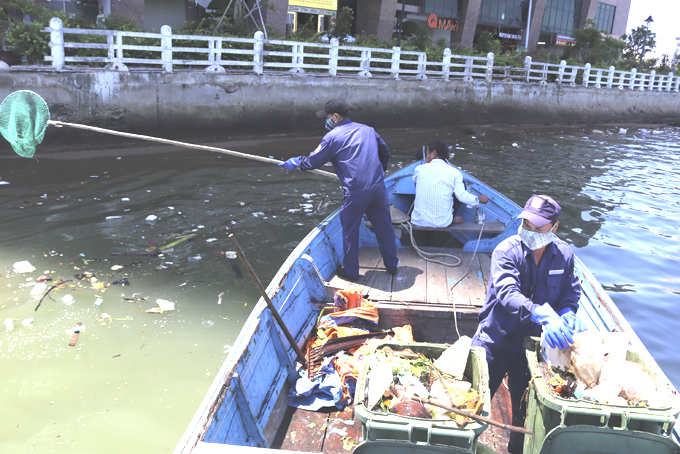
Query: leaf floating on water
(176, 242)
(155, 310)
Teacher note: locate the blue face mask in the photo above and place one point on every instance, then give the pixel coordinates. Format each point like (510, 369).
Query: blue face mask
(329, 124)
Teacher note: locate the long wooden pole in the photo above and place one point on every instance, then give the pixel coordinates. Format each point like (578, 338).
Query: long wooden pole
(263, 292)
(59, 124)
(477, 417)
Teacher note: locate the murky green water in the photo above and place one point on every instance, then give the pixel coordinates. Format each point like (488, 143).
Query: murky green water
(135, 379)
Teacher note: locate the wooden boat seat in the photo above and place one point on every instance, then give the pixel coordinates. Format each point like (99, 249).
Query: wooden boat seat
(495, 227)
(489, 227)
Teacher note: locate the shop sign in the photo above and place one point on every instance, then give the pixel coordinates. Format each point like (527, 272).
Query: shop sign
(565, 40)
(328, 5)
(509, 36)
(442, 23)
(300, 9)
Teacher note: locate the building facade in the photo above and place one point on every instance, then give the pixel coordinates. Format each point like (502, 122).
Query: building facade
(518, 24)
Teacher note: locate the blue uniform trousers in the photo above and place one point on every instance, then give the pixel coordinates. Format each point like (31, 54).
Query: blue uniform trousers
(513, 363)
(375, 204)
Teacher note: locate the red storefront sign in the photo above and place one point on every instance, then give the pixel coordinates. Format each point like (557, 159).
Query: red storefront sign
(442, 23)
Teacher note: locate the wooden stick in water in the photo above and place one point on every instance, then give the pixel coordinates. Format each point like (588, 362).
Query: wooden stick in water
(181, 144)
(263, 292)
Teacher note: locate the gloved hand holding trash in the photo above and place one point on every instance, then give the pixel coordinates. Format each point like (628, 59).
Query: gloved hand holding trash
(569, 317)
(557, 332)
(291, 164)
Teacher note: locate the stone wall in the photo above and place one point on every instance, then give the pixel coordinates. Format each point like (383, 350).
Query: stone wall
(192, 104)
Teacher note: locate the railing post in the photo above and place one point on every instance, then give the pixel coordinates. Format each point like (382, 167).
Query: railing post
(670, 81)
(117, 63)
(598, 79)
(112, 47)
(652, 79)
(633, 76)
(422, 66)
(365, 63)
(544, 74)
(489, 67)
(560, 72)
(215, 57)
(166, 48)
(333, 60)
(586, 75)
(446, 64)
(610, 77)
(57, 43)
(396, 61)
(298, 59)
(258, 56)
(467, 74)
(527, 69)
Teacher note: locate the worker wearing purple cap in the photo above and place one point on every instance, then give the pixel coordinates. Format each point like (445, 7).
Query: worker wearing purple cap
(532, 286)
(359, 157)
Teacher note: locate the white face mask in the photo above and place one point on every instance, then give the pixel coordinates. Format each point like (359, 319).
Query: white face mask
(535, 240)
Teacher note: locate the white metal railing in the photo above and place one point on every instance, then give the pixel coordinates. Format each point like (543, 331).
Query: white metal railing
(216, 54)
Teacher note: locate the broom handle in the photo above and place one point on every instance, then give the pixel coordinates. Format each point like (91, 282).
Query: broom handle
(59, 124)
(263, 292)
(467, 414)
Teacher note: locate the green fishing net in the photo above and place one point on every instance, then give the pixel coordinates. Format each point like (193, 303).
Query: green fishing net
(23, 120)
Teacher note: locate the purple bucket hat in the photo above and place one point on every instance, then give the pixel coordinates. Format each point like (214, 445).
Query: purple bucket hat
(540, 210)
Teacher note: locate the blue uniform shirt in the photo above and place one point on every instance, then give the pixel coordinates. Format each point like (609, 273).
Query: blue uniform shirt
(358, 153)
(517, 286)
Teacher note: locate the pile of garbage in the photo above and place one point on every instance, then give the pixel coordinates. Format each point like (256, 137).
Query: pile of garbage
(336, 354)
(404, 382)
(596, 368)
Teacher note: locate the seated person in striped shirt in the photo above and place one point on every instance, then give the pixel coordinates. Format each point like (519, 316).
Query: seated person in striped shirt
(438, 185)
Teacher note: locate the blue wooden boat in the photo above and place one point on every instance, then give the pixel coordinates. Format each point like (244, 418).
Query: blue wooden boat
(246, 409)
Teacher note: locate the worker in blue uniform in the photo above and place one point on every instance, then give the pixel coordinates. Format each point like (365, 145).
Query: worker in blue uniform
(359, 156)
(532, 286)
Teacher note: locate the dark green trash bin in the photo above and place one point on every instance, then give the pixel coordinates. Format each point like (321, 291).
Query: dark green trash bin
(409, 433)
(577, 426)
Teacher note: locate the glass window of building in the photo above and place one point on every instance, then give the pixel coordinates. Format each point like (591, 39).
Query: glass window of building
(443, 8)
(604, 17)
(506, 12)
(561, 16)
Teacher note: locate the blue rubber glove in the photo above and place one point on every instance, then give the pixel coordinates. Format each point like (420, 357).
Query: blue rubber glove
(291, 164)
(557, 333)
(571, 321)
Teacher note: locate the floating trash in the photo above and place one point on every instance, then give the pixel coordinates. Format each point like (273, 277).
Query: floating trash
(26, 322)
(9, 324)
(38, 289)
(120, 282)
(151, 218)
(113, 217)
(68, 299)
(98, 302)
(124, 199)
(23, 267)
(165, 305)
(207, 323)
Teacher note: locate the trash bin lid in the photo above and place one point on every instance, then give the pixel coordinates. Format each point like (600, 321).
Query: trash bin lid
(604, 440)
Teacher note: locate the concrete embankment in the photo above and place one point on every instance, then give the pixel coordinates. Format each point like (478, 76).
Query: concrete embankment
(193, 104)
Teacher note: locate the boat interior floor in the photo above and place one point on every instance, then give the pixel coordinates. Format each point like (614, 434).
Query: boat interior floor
(418, 294)
(332, 431)
(418, 281)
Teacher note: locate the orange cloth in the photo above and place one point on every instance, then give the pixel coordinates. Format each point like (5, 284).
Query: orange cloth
(350, 298)
(343, 331)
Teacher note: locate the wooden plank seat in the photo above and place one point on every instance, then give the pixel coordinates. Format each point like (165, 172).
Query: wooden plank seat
(489, 227)
(495, 227)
